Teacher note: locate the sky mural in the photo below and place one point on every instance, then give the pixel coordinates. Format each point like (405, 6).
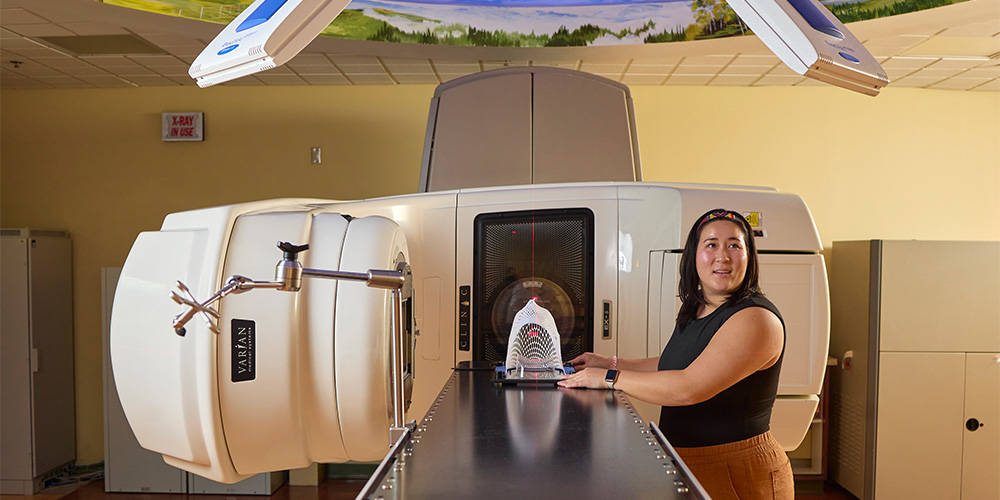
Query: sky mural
(531, 23)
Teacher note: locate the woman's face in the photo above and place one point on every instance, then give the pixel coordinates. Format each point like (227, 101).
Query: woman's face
(722, 258)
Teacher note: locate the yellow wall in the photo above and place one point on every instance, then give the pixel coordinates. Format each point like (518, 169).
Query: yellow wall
(909, 164)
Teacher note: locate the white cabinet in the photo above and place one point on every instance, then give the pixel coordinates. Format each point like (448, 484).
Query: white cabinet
(37, 419)
(915, 403)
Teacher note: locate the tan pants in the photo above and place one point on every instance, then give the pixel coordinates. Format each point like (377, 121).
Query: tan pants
(752, 469)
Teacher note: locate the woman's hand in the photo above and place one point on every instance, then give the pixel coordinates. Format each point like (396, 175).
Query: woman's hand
(590, 360)
(590, 378)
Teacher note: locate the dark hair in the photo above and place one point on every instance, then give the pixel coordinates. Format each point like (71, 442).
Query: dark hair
(688, 290)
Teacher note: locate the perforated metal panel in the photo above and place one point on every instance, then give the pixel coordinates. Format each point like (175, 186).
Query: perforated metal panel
(545, 255)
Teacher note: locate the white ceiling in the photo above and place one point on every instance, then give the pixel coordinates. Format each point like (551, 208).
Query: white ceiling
(955, 47)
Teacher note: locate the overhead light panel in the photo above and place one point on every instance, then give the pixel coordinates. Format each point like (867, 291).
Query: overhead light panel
(103, 45)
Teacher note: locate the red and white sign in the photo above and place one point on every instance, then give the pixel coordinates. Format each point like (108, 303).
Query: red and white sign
(183, 126)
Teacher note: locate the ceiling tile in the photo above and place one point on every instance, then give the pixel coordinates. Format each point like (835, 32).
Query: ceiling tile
(892, 45)
(404, 61)
(416, 79)
(745, 70)
(810, 82)
(610, 76)
(349, 60)
(991, 85)
(778, 80)
(734, 80)
(911, 63)
(310, 60)
(697, 70)
(328, 79)
(19, 42)
(412, 67)
(745, 60)
(456, 68)
(782, 70)
(370, 79)
(110, 61)
(317, 70)
(168, 39)
(186, 52)
(937, 73)
(948, 46)
(61, 61)
(983, 72)
(676, 79)
(954, 64)
(47, 29)
(959, 83)
(22, 83)
(913, 81)
(165, 61)
(895, 74)
(450, 76)
(182, 80)
(654, 61)
(555, 64)
(83, 70)
(105, 81)
(980, 29)
(20, 16)
(36, 51)
(643, 79)
(35, 70)
(638, 69)
(271, 79)
(602, 68)
(151, 81)
(720, 60)
(66, 82)
(129, 71)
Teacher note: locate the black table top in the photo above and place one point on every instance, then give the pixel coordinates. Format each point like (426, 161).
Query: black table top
(484, 441)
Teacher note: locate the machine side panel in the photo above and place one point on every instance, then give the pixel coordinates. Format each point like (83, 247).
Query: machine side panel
(258, 391)
(483, 134)
(316, 348)
(580, 143)
(148, 357)
(648, 220)
(363, 319)
(783, 224)
(796, 284)
(428, 222)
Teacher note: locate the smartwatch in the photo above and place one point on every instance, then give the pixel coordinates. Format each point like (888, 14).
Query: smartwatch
(610, 378)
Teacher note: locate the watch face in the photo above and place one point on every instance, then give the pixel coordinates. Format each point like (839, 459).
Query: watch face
(611, 375)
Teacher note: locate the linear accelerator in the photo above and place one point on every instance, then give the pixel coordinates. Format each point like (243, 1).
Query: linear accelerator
(269, 335)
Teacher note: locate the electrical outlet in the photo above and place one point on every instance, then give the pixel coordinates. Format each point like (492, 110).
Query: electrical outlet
(317, 155)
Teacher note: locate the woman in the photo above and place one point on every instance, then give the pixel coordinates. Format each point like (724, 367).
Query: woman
(718, 375)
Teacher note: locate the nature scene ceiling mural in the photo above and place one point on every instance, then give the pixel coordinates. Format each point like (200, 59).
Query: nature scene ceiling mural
(531, 23)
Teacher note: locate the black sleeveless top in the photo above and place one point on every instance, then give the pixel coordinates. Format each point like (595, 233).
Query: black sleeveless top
(737, 413)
